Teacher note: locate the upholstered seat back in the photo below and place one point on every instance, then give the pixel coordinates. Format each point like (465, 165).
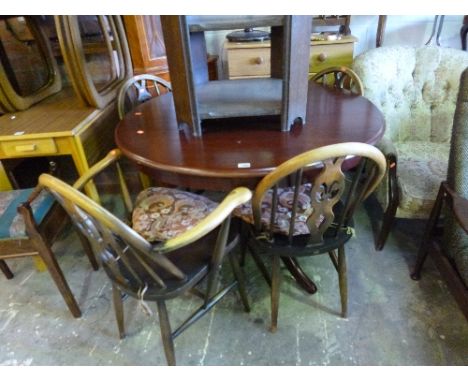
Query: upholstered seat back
(415, 88)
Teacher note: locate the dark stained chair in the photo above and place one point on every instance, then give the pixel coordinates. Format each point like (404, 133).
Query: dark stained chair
(136, 90)
(139, 89)
(305, 208)
(30, 221)
(340, 77)
(163, 269)
(450, 250)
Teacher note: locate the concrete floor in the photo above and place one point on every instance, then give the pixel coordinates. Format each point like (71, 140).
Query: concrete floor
(392, 319)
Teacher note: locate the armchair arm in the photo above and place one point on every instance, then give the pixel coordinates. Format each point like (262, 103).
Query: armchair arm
(234, 199)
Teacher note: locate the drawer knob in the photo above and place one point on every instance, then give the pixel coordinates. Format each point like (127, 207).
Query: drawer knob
(322, 57)
(259, 60)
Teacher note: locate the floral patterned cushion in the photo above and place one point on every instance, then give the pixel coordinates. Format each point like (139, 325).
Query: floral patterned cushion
(163, 213)
(11, 222)
(283, 211)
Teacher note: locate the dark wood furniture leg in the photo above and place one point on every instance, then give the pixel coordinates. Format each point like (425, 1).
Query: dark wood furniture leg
(464, 32)
(394, 199)
(6, 271)
(299, 275)
(49, 259)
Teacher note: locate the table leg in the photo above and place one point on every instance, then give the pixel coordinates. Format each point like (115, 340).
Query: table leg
(299, 275)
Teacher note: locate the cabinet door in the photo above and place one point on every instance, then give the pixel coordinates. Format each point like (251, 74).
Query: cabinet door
(146, 43)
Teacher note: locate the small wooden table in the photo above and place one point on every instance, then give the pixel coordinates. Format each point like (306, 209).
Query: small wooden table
(242, 151)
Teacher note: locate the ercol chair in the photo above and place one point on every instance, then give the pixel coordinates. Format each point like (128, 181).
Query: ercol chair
(313, 215)
(136, 90)
(30, 221)
(450, 250)
(341, 78)
(139, 89)
(416, 90)
(186, 254)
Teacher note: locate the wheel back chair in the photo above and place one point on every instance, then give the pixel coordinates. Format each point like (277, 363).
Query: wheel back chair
(189, 235)
(136, 90)
(450, 250)
(416, 89)
(305, 208)
(341, 78)
(30, 221)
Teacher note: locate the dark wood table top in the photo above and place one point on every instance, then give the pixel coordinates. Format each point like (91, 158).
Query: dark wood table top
(240, 151)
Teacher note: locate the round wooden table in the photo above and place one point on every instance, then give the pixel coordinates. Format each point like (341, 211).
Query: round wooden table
(241, 151)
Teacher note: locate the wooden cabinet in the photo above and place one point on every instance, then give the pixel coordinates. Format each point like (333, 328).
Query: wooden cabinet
(252, 59)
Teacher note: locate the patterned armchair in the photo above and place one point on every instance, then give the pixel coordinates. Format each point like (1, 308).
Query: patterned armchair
(416, 90)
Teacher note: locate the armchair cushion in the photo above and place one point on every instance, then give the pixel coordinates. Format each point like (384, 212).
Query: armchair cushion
(163, 213)
(11, 222)
(283, 210)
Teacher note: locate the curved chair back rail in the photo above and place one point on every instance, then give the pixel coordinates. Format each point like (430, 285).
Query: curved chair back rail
(139, 89)
(340, 77)
(327, 188)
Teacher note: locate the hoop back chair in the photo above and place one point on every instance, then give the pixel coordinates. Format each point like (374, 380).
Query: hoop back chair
(314, 215)
(134, 91)
(30, 221)
(155, 271)
(341, 78)
(139, 89)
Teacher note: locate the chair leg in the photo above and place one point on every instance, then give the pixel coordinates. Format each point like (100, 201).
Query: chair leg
(430, 226)
(118, 308)
(50, 261)
(6, 271)
(275, 292)
(261, 266)
(166, 333)
(244, 238)
(387, 224)
(88, 250)
(343, 281)
(240, 281)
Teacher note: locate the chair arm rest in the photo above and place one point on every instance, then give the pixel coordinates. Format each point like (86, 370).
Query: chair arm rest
(234, 199)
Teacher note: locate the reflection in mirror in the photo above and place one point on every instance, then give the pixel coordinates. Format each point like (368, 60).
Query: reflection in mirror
(23, 61)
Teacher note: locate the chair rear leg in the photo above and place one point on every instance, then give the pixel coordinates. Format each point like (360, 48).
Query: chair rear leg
(88, 250)
(240, 281)
(275, 292)
(50, 261)
(118, 308)
(343, 281)
(166, 333)
(261, 265)
(6, 270)
(387, 224)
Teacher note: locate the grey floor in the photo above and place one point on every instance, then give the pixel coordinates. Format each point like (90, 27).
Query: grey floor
(392, 319)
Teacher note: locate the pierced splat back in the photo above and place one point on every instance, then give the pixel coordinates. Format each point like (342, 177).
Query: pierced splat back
(333, 195)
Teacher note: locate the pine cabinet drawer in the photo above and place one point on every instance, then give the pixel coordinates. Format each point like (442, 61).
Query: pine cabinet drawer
(249, 62)
(324, 56)
(31, 147)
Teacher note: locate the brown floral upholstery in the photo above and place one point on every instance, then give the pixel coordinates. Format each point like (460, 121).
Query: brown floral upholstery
(163, 213)
(283, 211)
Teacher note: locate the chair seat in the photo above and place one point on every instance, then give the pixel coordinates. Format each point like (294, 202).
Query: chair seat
(11, 222)
(283, 210)
(422, 166)
(163, 213)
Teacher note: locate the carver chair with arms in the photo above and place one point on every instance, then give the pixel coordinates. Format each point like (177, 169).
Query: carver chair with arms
(341, 78)
(164, 269)
(313, 215)
(416, 90)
